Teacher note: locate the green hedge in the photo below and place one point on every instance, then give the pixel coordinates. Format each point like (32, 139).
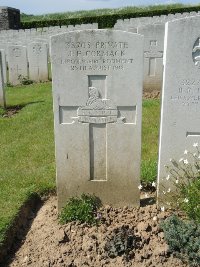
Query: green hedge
(105, 21)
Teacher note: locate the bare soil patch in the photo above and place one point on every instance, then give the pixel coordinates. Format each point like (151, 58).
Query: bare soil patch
(48, 243)
(11, 111)
(151, 95)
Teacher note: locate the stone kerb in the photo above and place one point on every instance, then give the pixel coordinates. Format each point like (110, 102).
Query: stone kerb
(97, 92)
(180, 120)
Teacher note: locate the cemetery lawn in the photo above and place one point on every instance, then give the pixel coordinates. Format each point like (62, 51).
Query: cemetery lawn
(27, 160)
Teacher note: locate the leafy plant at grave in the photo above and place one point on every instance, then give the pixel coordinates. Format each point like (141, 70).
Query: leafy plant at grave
(183, 239)
(121, 242)
(83, 209)
(184, 175)
(9, 84)
(24, 80)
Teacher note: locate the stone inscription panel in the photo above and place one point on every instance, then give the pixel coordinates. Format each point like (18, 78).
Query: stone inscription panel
(187, 93)
(97, 56)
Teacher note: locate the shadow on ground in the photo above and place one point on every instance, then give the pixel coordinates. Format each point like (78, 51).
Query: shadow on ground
(10, 111)
(19, 229)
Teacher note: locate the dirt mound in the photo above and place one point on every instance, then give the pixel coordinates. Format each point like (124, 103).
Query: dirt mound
(50, 244)
(151, 95)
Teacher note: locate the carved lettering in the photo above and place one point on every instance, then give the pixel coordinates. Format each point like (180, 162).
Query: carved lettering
(84, 56)
(188, 93)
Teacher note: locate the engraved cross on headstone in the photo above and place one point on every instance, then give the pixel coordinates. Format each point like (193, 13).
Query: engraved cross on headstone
(98, 112)
(153, 54)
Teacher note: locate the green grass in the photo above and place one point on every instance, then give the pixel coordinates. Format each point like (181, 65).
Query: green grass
(150, 136)
(27, 163)
(98, 12)
(27, 150)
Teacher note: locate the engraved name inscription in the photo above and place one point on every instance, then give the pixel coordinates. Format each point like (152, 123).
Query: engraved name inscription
(97, 56)
(188, 92)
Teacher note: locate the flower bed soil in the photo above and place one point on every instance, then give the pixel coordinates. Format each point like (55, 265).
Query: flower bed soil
(48, 243)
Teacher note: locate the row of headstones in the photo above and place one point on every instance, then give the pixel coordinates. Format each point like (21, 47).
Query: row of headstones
(26, 58)
(153, 54)
(97, 91)
(26, 36)
(153, 29)
(132, 23)
(23, 62)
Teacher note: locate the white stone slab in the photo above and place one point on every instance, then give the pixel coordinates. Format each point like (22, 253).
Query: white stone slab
(2, 87)
(38, 61)
(97, 91)
(153, 55)
(17, 63)
(180, 114)
(4, 65)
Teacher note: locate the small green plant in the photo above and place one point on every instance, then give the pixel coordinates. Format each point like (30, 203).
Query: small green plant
(83, 209)
(183, 239)
(184, 176)
(9, 84)
(121, 242)
(24, 80)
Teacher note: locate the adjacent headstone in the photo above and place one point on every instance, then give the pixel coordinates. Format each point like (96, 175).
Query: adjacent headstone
(38, 61)
(2, 88)
(17, 63)
(180, 114)
(97, 91)
(4, 65)
(153, 55)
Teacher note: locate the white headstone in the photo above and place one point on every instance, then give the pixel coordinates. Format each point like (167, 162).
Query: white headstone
(97, 91)
(153, 55)
(2, 88)
(38, 61)
(17, 63)
(180, 114)
(3, 57)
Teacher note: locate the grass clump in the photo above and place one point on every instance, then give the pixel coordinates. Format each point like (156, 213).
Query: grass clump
(183, 239)
(82, 209)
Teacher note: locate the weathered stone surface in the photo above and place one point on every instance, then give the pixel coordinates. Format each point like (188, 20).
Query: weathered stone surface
(153, 55)
(9, 18)
(4, 64)
(97, 90)
(2, 88)
(180, 119)
(38, 61)
(17, 63)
